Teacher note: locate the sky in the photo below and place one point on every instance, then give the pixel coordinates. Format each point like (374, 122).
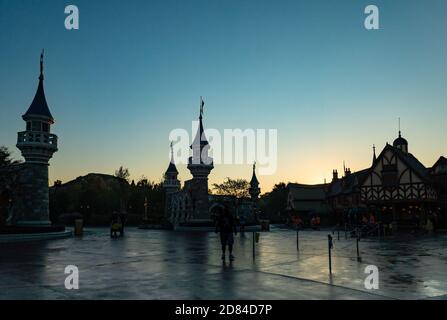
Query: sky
(135, 70)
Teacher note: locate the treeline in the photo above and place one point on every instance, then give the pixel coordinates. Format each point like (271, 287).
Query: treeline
(96, 197)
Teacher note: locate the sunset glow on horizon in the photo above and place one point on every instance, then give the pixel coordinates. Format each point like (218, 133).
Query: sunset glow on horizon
(133, 73)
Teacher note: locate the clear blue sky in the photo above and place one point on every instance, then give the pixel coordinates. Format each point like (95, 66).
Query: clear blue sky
(136, 69)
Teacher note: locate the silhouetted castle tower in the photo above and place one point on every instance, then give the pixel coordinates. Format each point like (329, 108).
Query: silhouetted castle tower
(171, 184)
(37, 145)
(254, 189)
(254, 192)
(200, 166)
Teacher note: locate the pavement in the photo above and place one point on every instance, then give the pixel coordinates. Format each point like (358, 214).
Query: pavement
(155, 264)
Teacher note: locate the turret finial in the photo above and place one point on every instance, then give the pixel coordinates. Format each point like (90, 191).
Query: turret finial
(172, 151)
(41, 64)
(202, 104)
(374, 153)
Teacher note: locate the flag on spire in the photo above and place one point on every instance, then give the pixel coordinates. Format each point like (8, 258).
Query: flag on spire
(202, 104)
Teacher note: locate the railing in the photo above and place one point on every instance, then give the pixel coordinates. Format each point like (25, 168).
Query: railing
(30, 137)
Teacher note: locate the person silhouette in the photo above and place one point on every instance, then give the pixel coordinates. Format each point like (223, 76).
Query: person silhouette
(226, 225)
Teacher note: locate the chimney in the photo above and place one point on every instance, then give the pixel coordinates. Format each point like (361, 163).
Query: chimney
(334, 175)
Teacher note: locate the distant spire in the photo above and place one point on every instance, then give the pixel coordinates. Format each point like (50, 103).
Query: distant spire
(374, 153)
(202, 104)
(399, 127)
(200, 139)
(41, 65)
(254, 180)
(172, 168)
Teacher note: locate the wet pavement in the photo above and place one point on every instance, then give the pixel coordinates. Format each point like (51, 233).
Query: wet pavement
(151, 264)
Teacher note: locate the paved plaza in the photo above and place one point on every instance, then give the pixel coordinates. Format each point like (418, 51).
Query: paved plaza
(152, 264)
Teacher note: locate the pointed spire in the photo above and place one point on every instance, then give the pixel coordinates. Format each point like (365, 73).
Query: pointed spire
(254, 180)
(202, 104)
(172, 168)
(374, 153)
(39, 106)
(41, 65)
(200, 139)
(399, 128)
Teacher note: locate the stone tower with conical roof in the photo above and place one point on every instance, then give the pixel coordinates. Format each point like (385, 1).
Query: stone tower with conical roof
(37, 145)
(200, 166)
(171, 184)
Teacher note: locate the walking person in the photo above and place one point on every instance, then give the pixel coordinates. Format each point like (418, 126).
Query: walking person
(226, 225)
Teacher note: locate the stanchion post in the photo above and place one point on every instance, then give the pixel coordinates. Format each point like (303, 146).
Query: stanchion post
(330, 245)
(297, 240)
(346, 232)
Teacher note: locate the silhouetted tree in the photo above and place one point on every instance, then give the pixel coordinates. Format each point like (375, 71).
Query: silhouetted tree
(273, 204)
(6, 158)
(230, 187)
(122, 173)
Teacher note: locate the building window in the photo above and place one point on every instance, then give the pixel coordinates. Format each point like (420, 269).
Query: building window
(28, 126)
(45, 127)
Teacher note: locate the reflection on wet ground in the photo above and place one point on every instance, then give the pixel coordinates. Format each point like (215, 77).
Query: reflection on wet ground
(151, 264)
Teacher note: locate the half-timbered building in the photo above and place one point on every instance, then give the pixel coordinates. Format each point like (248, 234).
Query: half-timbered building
(400, 187)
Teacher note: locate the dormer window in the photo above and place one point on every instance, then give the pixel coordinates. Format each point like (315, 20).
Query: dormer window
(45, 127)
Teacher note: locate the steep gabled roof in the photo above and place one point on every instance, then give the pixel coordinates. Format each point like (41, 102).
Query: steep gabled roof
(441, 161)
(411, 161)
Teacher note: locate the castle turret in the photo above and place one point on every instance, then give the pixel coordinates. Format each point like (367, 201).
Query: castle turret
(200, 166)
(254, 189)
(171, 183)
(37, 145)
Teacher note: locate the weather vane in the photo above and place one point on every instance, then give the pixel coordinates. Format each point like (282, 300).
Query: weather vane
(202, 103)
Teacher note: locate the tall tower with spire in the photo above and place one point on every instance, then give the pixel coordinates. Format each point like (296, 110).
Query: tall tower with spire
(254, 189)
(171, 184)
(254, 192)
(200, 166)
(37, 145)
